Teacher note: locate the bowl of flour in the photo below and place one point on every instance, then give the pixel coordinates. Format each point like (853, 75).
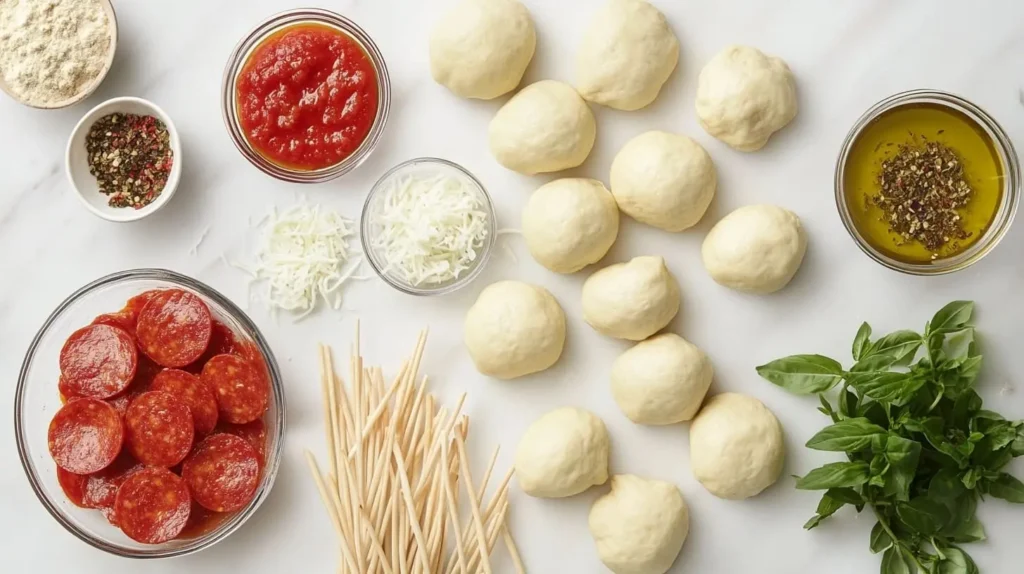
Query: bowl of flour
(54, 53)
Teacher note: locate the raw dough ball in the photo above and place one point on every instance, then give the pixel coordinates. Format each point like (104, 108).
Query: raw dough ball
(480, 48)
(627, 54)
(514, 329)
(665, 180)
(757, 248)
(545, 127)
(736, 448)
(562, 453)
(640, 526)
(631, 300)
(662, 380)
(570, 223)
(744, 96)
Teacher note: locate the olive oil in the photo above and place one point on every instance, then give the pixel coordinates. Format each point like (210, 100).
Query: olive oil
(914, 125)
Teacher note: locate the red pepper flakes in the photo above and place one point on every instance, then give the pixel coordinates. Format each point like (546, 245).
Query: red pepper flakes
(131, 158)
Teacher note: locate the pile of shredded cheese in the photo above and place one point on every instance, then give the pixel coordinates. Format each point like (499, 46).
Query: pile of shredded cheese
(304, 255)
(429, 229)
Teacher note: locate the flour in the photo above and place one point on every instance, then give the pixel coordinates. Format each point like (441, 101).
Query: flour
(52, 50)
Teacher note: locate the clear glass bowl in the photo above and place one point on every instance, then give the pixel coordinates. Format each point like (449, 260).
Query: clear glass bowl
(1003, 216)
(37, 400)
(241, 54)
(369, 232)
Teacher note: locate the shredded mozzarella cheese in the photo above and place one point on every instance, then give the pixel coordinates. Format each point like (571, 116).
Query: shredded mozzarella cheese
(304, 255)
(429, 229)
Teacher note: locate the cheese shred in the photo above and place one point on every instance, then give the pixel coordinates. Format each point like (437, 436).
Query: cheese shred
(304, 255)
(429, 229)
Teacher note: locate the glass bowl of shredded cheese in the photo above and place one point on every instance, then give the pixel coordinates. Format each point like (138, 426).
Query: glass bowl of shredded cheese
(427, 227)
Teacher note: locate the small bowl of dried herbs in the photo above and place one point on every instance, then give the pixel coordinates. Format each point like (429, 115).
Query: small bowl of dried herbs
(927, 183)
(124, 159)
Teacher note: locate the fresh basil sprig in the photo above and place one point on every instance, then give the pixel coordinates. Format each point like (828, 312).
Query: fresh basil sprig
(921, 451)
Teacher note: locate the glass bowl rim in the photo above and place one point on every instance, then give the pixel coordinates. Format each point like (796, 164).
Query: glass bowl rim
(272, 458)
(1003, 217)
(378, 266)
(237, 60)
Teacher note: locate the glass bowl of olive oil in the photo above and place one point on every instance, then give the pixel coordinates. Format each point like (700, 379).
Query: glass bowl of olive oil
(927, 183)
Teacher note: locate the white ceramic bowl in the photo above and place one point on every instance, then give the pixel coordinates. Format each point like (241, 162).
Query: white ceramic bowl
(84, 183)
(89, 89)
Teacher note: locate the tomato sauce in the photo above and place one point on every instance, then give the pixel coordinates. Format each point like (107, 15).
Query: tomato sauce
(307, 97)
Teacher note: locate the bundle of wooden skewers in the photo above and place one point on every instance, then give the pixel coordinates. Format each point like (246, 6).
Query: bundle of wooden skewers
(398, 478)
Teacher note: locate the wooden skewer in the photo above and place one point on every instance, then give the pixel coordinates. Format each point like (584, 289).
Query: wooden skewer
(346, 553)
(474, 508)
(513, 551)
(396, 464)
(410, 507)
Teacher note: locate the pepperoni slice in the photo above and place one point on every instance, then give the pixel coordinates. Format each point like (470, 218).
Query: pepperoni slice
(85, 436)
(174, 328)
(158, 429)
(192, 391)
(254, 432)
(128, 316)
(98, 361)
(241, 391)
(222, 472)
(73, 486)
(152, 506)
(101, 487)
(222, 342)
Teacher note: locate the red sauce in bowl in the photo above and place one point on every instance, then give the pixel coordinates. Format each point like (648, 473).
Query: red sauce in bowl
(307, 97)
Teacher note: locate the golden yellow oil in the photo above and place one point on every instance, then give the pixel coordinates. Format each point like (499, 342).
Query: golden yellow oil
(907, 125)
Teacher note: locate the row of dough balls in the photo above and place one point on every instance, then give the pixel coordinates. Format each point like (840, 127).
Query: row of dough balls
(481, 49)
(570, 223)
(515, 329)
(639, 527)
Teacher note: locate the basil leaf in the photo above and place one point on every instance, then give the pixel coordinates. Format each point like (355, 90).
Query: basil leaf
(862, 341)
(886, 386)
(969, 530)
(850, 435)
(970, 478)
(873, 363)
(970, 368)
(826, 507)
(898, 345)
(1017, 448)
(845, 495)
(1007, 487)
(957, 562)
(835, 475)
(1001, 434)
(923, 515)
(847, 403)
(893, 562)
(945, 485)
(880, 539)
(952, 317)
(803, 374)
(826, 408)
(960, 345)
(903, 456)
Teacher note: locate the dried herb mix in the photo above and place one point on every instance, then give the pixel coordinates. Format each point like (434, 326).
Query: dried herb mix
(920, 190)
(131, 158)
(914, 126)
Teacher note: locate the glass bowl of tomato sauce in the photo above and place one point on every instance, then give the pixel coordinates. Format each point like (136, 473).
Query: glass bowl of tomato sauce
(306, 95)
(79, 507)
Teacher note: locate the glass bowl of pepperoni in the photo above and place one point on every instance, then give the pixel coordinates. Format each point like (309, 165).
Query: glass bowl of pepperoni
(306, 95)
(149, 415)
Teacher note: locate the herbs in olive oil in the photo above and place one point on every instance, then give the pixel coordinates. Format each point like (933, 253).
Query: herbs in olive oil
(923, 182)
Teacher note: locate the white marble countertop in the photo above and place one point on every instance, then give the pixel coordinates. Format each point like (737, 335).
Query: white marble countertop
(846, 54)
